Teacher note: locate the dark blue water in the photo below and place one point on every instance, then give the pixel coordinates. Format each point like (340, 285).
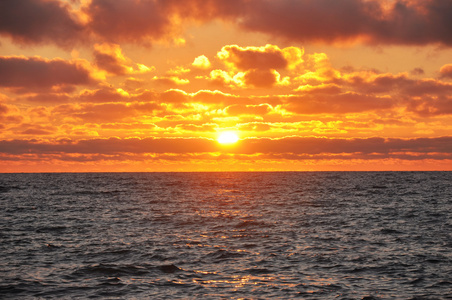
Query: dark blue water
(319, 235)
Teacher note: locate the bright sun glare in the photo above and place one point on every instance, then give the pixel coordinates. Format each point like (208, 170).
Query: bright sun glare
(228, 138)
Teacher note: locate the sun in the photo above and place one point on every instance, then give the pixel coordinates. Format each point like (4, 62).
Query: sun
(227, 138)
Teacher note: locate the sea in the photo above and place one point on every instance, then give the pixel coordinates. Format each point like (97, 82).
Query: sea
(231, 235)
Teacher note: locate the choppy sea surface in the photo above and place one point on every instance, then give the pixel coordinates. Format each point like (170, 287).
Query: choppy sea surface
(313, 235)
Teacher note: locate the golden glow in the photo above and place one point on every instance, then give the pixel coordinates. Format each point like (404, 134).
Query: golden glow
(228, 137)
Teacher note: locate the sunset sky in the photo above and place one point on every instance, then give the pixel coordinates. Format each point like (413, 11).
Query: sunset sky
(130, 85)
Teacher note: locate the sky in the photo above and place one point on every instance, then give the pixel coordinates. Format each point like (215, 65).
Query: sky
(150, 85)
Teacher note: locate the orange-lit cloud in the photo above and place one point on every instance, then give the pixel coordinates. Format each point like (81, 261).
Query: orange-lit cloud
(256, 66)
(259, 110)
(109, 57)
(201, 62)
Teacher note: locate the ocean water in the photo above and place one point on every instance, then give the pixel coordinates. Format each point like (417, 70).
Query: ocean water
(313, 235)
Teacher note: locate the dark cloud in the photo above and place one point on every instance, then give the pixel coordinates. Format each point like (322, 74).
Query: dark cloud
(104, 94)
(402, 22)
(430, 106)
(446, 71)
(38, 22)
(36, 73)
(263, 58)
(36, 131)
(3, 109)
(399, 83)
(301, 147)
(338, 103)
(107, 59)
(415, 22)
(105, 112)
(417, 71)
(48, 98)
(110, 146)
(364, 146)
(131, 21)
(260, 78)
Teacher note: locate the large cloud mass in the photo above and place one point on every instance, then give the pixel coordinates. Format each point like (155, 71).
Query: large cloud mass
(405, 22)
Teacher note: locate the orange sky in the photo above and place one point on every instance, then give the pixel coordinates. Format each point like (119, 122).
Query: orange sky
(122, 85)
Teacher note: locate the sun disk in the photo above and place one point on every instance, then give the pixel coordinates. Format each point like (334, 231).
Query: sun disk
(228, 138)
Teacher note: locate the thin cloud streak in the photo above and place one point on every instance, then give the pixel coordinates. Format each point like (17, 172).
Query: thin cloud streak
(290, 145)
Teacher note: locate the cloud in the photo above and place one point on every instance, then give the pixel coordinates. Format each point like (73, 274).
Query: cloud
(400, 22)
(322, 88)
(110, 146)
(401, 84)
(255, 66)
(261, 78)
(56, 22)
(39, 22)
(300, 148)
(431, 106)
(367, 147)
(144, 21)
(417, 71)
(446, 71)
(109, 57)
(335, 103)
(201, 62)
(129, 126)
(129, 21)
(245, 58)
(104, 94)
(237, 109)
(170, 80)
(262, 58)
(222, 78)
(3, 109)
(397, 22)
(208, 127)
(36, 73)
(104, 112)
(255, 126)
(49, 98)
(9, 114)
(33, 129)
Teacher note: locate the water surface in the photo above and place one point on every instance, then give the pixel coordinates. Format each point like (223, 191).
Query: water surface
(315, 235)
